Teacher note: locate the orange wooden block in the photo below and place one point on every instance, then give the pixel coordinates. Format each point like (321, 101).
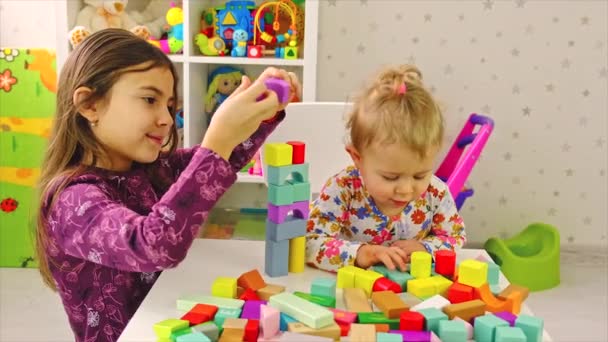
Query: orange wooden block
(382, 328)
(251, 280)
(269, 290)
(467, 310)
(356, 300)
(389, 303)
(332, 331)
(206, 309)
(362, 332)
(516, 296)
(493, 304)
(514, 288)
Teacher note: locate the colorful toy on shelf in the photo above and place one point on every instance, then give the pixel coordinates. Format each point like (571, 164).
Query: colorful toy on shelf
(234, 15)
(221, 83)
(239, 43)
(289, 37)
(210, 46)
(175, 32)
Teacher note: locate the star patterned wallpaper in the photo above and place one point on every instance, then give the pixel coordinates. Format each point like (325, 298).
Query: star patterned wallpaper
(538, 68)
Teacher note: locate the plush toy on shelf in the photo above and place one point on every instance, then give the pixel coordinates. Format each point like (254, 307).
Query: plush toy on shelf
(222, 82)
(152, 16)
(97, 15)
(174, 43)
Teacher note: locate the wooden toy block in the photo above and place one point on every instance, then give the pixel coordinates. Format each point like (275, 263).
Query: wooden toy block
(507, 316)
(380, 269)
(210, 330)
(270, 290)
(196, 318)
(302, 310)
(301, 191)
(280, 175)
(413, 335)
(277, 154)
(496, 289)
(509, 334)
(531, 326)
(467, 310)
(275, 338)
(330, 331)
(281, 194)
(276, 258)
(291, 52)
(409, 299)
(164, 329)
(239, 291)
(252, 330)
(295, 337)
(323, 286)
(452, 331)
(356, 300)
(385, 284)
(193, 337)
(389, 303)
(234, 324)
(248, 294)
(516, 299)
(224, 287)
(224, 313)
(231, 336)
(422, 288)
(432, 317)
(411, 320)
(205, 309)
(484, 328)
(445, 262)
(420, 265)
(400, 278)
(289, 229)
(365, 279)
(346, 277)
(377, 318)
(382, 327)
(344, 317)
(493, 304)
(285, 320)
(299, 152)
(279, 213)
(189, 302)
(251, 280)
(328, 302)
(388, 337)
(270, 319)
(297, 254)
(344, 328)
(176, 334)
(458, 293)
(493, 272)
(472, 273)
(514, 288)
(437, 302)
(442, 284)
(467, 326)
(362, 333)
(251, 309)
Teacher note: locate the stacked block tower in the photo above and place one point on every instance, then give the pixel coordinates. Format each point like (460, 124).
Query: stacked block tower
(288, 207)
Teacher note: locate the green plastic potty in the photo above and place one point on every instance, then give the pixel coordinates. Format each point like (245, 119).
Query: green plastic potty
(530, 258)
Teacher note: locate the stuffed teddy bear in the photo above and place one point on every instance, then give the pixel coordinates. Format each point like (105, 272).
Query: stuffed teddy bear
(152, 16)
(101, 14)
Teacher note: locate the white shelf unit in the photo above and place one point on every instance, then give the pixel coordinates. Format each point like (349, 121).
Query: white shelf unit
(194, 68)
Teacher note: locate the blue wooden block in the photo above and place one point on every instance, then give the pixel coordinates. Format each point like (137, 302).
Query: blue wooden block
(277, 175)
(493, 271)
(484, 327)
(301, 191)
(532, 327)
(400, 278)
(277, 258)
(388, 337)
(193, 337)
(289, 193)
(292, 227)
(452, 331)
(285, 320)
(323, 286)
(432, 318)
(510, 334)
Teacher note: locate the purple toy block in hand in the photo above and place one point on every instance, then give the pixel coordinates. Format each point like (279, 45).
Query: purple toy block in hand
(280, 87)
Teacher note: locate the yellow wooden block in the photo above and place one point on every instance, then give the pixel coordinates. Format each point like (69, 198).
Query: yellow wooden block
(420, 265)
(362, 332)
(346, 277)
(422, 288)
(278, 154)
(224, 287)
(473, 273)
(365, 279)
(331, 331)
(442, 284)
(297, 254)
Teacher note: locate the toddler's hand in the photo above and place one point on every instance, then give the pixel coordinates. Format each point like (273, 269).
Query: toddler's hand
(409, 247)
(391, 257)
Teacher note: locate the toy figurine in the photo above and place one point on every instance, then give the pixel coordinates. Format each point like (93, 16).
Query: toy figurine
(222, 82)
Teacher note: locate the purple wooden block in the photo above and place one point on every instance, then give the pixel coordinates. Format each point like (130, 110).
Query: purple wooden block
(280, 87)
(507, 316)
(251, 309)
(278, 213)
(414, 336)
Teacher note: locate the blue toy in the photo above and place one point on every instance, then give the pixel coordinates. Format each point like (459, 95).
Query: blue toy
(235, 15)
(239, 44)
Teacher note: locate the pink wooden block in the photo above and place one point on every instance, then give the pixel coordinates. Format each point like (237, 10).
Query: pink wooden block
(295, 337)
(344, 317)
(278, 213)
(269, 321)
(435, 338)
(275, 338)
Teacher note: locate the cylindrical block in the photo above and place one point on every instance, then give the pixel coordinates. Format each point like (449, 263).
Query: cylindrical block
(297, 254)
(299, 152)
(445, 262)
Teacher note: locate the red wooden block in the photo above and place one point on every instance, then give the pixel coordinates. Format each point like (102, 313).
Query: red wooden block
(445, 262)
(459, 293)
(252, 330)
(385, 284)
(249, 294)
(411, 320)
(344, 328)
(299, 152)
(205, 309)
(196, 318)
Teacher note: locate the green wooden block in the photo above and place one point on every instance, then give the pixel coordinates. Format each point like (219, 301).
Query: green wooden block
(432, 317)
(493, 271)
(223, 313)
(280, 194)
(301, 191)
(531, 326)
(193, 337)
(409, 299)
(188, 302)
(380, 269)
(210, 329)
(510, 334)
(278, 175)
(400, 278)
(165, 328)
(325, 301)
(452, 331)
(388, 337)
(377, 318)
(323, 286)
(181, 332)
(313, 315)
(484, 327)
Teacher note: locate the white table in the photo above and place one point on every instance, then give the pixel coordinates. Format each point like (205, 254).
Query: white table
(209, 259)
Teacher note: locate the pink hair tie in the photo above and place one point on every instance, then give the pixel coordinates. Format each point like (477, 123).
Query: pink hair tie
(402, 89)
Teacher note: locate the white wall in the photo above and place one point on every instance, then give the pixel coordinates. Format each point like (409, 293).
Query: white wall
(27, 23)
